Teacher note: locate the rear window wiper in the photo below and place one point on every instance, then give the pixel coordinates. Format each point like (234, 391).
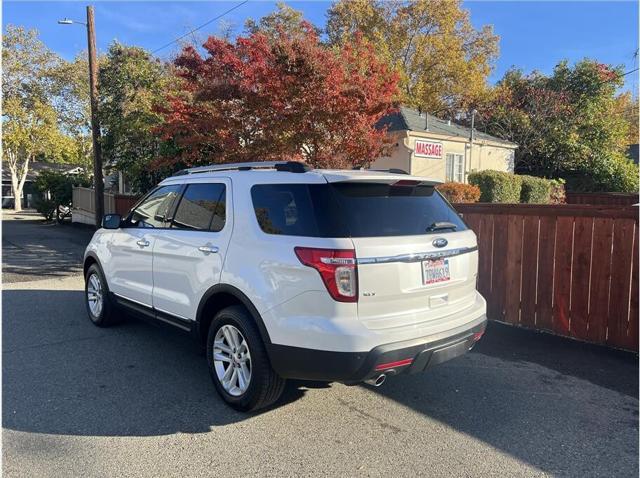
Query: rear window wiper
(438, 226)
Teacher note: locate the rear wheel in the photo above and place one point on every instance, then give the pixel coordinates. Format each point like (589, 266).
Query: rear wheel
(99, 307)
(238, 362)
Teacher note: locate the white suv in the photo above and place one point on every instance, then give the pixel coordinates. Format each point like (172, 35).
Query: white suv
(286, 272)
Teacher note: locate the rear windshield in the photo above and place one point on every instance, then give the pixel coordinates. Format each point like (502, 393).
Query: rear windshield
(352, 210)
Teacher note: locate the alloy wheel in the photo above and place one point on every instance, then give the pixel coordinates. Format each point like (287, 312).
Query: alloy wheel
(95, 295)
(232, 360)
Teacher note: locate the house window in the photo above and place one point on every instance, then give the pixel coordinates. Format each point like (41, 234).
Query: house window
(455, 167)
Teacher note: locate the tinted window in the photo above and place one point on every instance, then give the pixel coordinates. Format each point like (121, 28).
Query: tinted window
(350, 209)
(202, 207)
(153, 210)
(297, 210)
(373, 210)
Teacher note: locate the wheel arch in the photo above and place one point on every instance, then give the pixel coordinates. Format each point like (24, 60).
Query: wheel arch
(89, 260)
(219, 297)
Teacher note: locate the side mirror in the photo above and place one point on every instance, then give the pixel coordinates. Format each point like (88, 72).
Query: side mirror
(111, 221)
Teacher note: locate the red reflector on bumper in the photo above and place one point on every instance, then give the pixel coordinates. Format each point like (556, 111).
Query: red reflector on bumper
(477, 336)
(399, 363)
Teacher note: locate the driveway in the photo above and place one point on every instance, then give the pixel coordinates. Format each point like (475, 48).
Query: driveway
(136, 400)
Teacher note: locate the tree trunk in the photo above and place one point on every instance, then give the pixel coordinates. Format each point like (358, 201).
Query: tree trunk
(18, 178)
(17, 191)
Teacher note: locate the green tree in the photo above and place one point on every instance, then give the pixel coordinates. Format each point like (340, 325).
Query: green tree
(28, 133)
(628, 108)
(131, 85)
(30, 123)
(284, 19)
(442, 59)
(72, 103)
(567, 125)
(56, 189)
(27, 65)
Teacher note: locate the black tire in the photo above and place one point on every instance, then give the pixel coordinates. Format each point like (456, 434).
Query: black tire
(265, 386)
(106, 316)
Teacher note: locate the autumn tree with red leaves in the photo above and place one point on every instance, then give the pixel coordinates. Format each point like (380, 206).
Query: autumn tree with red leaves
(278, 97)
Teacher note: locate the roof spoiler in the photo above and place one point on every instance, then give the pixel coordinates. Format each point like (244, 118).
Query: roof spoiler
(390, 170)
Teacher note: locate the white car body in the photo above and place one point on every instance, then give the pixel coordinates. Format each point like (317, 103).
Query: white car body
(173, 273)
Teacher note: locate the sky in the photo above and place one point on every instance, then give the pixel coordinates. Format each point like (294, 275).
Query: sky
(533, 35)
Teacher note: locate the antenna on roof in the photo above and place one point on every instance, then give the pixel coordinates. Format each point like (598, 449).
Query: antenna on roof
(426, 123)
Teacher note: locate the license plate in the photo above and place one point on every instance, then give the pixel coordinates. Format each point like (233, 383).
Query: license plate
(434, 271)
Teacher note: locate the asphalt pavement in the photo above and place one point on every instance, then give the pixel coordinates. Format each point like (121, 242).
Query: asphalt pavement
(33, 249)
(136, 400)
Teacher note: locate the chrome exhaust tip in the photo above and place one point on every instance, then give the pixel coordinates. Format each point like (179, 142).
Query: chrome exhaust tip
(376, 381)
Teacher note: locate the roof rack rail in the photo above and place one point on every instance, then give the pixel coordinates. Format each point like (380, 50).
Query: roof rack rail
(286, 166)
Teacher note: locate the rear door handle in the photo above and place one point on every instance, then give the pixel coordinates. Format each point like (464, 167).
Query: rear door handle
(208, 249)
(142, 243)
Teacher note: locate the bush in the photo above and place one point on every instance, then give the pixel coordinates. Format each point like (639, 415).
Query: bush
(558, 193)
(616, 174)
(459, 192)
(535, 190)
(497, 186)
(623, 177)
(55, 189)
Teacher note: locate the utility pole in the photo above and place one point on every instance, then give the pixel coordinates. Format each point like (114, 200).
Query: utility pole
(468, 166)
(95, 121)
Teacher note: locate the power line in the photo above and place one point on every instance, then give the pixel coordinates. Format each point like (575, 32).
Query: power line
(618, 76)
(629, 72)
(201, 26)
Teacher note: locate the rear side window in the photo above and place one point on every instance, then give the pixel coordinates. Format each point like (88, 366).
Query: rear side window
(355, 209)
(152, 211)
(202, 207)
(297, 210)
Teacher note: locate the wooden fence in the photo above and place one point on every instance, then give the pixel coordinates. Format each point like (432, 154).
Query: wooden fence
(123, 203)
(568, 269)
(84, 204)
(610, 199)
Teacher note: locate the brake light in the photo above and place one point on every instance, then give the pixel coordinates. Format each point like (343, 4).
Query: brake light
(337, 268)
(406, 183)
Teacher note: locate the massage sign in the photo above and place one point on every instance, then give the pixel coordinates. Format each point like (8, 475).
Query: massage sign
(428, 149)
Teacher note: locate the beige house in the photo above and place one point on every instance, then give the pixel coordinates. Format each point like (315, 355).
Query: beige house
(428, 146)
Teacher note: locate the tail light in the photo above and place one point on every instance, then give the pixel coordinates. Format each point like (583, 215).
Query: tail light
(338, 270)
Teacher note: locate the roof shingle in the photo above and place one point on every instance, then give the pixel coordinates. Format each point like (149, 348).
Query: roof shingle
(409, 119)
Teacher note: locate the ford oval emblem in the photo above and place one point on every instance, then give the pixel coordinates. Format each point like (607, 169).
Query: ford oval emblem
(440, 242)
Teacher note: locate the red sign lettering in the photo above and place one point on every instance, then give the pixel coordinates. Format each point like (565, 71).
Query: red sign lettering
(428, 149)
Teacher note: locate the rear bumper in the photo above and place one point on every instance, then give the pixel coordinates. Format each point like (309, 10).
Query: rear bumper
(415, 355)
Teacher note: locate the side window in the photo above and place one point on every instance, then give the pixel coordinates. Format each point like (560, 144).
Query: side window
(297, 210)
(202, 208)
(152, 212)
(284, 209)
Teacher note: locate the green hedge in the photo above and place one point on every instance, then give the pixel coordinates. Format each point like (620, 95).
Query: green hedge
(535, 190)
(497, 186)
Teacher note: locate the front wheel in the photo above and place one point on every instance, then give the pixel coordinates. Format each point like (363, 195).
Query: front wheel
(238, 362)
(99, 307)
